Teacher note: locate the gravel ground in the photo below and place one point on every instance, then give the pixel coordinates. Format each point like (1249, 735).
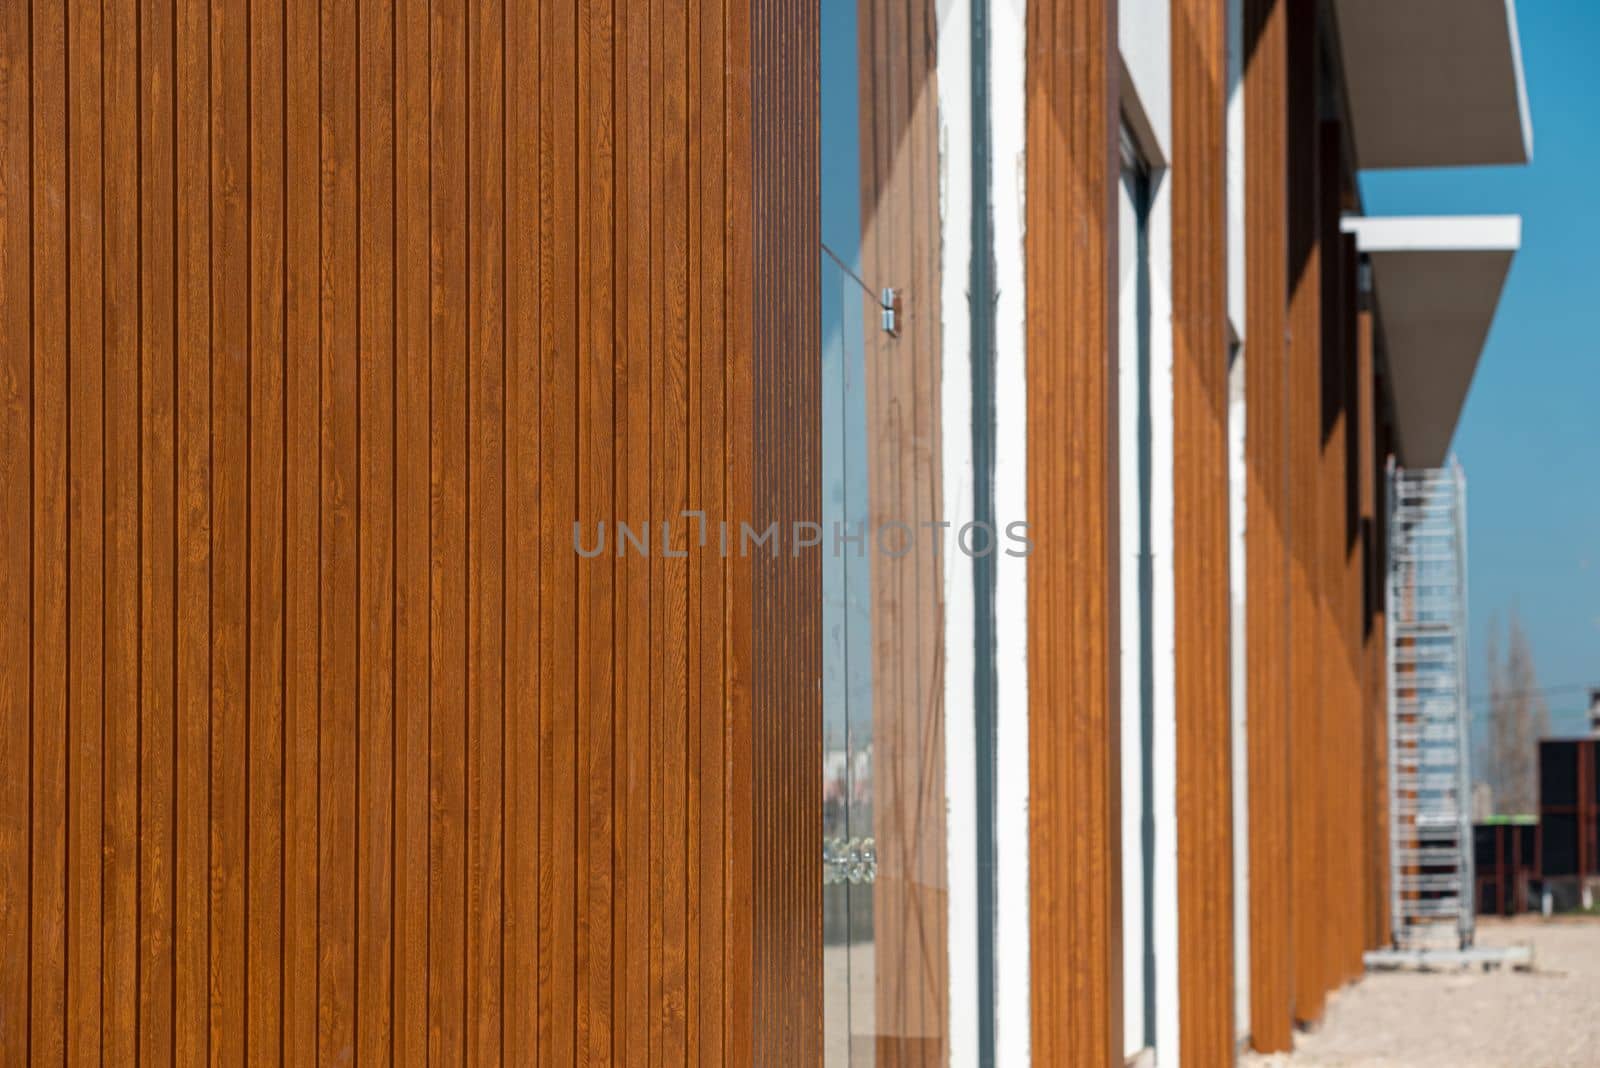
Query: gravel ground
(1546, 1018)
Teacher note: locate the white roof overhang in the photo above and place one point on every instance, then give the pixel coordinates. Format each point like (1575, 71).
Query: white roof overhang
(1438, 282)
(1434, 83)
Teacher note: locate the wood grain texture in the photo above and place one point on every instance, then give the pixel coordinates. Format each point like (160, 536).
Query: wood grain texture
(16, 512)
(85, 545)
(157, 537)
(119, 948)
(264, 786)
(324, 320)
(1200, 535)
(1074, 734)
(776, 650)
(47, 951)
(1267, 520)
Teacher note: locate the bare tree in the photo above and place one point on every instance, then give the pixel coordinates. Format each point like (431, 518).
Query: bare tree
(1518, 718)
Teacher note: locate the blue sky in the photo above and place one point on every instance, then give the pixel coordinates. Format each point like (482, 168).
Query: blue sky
(1529, 437)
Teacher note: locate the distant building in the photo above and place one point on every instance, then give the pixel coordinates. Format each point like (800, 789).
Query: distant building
(1594, 712)
(1482, 801)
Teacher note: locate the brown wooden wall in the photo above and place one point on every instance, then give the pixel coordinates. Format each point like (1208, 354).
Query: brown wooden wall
(1200, 536)
(1308, 824)
(1074, 871)
(1317, 808)
(324, 322)
(1267, 519)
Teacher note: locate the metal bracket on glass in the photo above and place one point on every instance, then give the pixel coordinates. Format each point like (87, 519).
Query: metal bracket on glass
(852, 860)
(889, 306)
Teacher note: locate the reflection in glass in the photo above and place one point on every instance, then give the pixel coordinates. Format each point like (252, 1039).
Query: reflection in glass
(885, 927)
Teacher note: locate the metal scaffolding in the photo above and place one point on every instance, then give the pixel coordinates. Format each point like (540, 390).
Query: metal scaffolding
(1430, 828)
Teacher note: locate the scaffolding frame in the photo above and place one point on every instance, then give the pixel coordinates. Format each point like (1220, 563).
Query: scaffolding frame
(1430, 820)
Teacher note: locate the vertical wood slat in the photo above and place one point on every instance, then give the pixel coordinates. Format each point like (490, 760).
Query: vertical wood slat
(596, 443)
(412, 533)
(16, 517)
(376, 492)
(1307, 789)
(1341, 721)
(557, 318)
(448, 650)
(634, 1020)
(264, 785)
(229, 362)
(339, 654)
(192, 853)
(778, 719)
(1200, 562)
(47, 863)
(714, 454)
(281, 416)
(120, 887)
(85, 381)
(302, 510)
(1339, 829)
(486, 528)
(157, 397)
(1267, 520)
(523, 467)
(1071, 251)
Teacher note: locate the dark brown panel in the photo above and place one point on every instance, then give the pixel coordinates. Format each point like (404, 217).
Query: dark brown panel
(1200, 535)
(1267, 519)
(1074, 735)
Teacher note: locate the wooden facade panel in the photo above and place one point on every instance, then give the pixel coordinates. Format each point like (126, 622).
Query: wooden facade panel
(323, 324)
(1200, 536)
(16, 515)
(1073, 132)
(1307, 735)
(1267, 520)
